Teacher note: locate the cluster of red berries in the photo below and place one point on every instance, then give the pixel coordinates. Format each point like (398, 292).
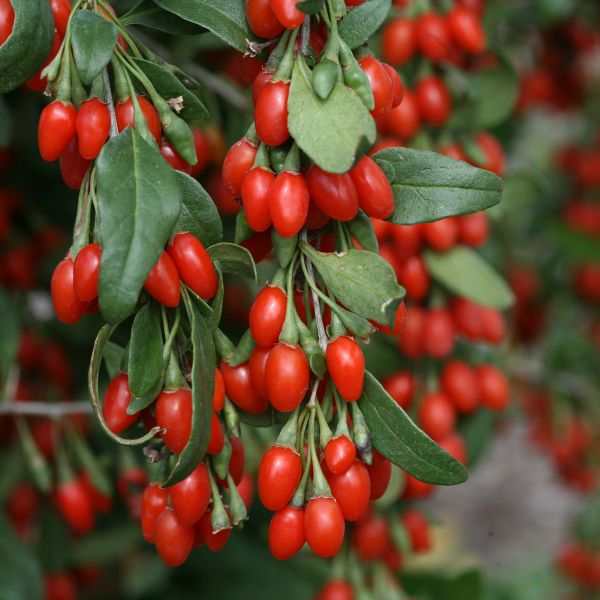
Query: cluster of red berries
(581, 565)
(74, 282)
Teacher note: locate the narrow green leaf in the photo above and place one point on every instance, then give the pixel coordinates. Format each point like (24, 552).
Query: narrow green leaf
(145, 351)
(359, 25)
(243, 350)
(397, 438)
(466, 274)
(225, 18)
(362, 281)
(93, 39)
(199, 215)
(331, 132)
(27, 47)
(285, 248)
(169, 87)
(361, 229)
(311, 7)
(233, 259)
(428, 186)
(203, 385)
(147, 14)
(113, 357)
(139, 202)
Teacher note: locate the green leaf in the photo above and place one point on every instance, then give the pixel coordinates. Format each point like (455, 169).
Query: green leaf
(234, 259)
(466, 274)
(574, 244)
(203, 385)
(106, 545)
(20, 572)
(199, 215)
(311, 7)
(331, 132)
(361, 229)
(397, 438)
(145, 352)
(217, 304)
(113, 357)
(225, 18)
(93, 39)
(477, 432)
(27, 47)
(285, 248)
(169, 86)
(147, 14)
(11, 331)
(465, 586)
(359, 25)
(243, 350)
(362, 281)
(428, 186)
(139, 202)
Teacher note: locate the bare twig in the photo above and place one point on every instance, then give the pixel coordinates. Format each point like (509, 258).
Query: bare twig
(45, 409)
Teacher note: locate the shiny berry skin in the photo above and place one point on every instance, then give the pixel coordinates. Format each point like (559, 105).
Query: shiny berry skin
(194, 265)
(204, 150)
(287, 13)
(473, 230)
(267, 315)
(324, 526)
(380, 473)
(404, 120)
(418, 530)
(190, 497)
(346, 367)
(413, 488)
(407, 240)
(174, 159)
(61, 10)
(340, 453)
(441, 235)
(218, 400)
(413, 275)
(334, 194)
(86, 273)
(410, 339)
(371, 538)
(493, 387)
(237, 461)
(238, 161)
(67, 307)
(375, 194)
(174, 413)
(7, 20)
(75, 505)
(56, 129)
(465, 29)
(467, 318)
(289, 200)
(255, 198)
(214, 541)
(493, 327)
(381, 85)
(73, 166)
(401, 387)
(433, 98)
(287, 374)
(493, 152)
(262, 19)
(433, 36)
(351, 489)
(124, 112)
(162, 282)
(397, 85)
(154, 501)
(271, 113)
(257, 363)
(217, 438)
(173, 539)
(115, 403)
(93, 127)
(279, 474)
(239, 388)
(459, 383)
(286, 532)
(337, 589)
(399, 43)
(436, 415)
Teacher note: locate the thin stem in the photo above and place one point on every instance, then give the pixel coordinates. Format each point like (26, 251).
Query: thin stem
(38, 408)
(108, 98)
(305, 35)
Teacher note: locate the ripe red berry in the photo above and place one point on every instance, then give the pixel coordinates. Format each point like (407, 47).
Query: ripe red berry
(351, 489)
(262, 19)
(61, 10)
(257, 363)
(433, 36)
(413, 275)
(255, 198)
(286, 532)
(287, 375)
(271, 113)
(287, 13)
(375, 194)
(174, 414)
(324, 526)
(436, 415)
(7, 20)
(115, 403)
(289, 200)
(459, 383)
(418, 530)
(410, 339)
(473, 230)
(267, 315)
(371, 538)
(279, 474)
(380, 473)
(433, 98)
(493, 152)
(401, 387)
(75, 505)
(154, 501)
(397, 85)
(190, 497)
(173, 540)
(124, 112)
(381, 85)
(67, 307)
(72, 165)
(337, 589)
(239, 389)
(194, 265)
(86, 272)
(218, 400)
(217, 438)
(215, 541)
(334, 194)
(399, 43)
(493, 327)
(162, 282)
(93, 127)
(346, 367)
(466, 30)
(404, 120)
(237, 163)
(60, 586)
(171, 155)
(493, 387)
(56, 129)
(438, 333)
(340, 453)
